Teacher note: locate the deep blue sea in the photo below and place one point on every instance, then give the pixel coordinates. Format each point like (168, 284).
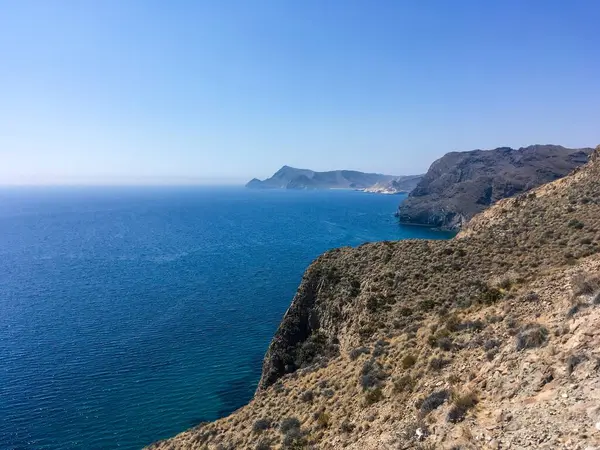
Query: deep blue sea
(130, 314)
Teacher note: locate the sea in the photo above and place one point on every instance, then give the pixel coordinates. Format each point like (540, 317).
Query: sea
(129, 314)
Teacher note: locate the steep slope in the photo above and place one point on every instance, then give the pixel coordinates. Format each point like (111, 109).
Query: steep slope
(292, 178)
(488, 340)
(399, 185)
(461, 184)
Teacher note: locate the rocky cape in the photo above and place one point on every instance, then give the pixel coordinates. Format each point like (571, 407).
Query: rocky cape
(488, 340)
(462, 184)
(291, 178)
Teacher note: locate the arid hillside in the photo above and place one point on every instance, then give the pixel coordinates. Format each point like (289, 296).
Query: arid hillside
(490, 340)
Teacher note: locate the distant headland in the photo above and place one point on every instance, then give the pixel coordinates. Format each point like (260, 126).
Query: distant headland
(291, 178)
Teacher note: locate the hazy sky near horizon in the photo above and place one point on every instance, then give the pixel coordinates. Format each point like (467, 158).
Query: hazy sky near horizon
(127, 91)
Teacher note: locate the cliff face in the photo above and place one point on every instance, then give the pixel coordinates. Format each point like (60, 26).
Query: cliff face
(462, 184)
(292, 178)
(307, 316)
(488, 340)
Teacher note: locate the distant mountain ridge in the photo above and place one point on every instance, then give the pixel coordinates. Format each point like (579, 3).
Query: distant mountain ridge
(292, 178)
(461, 184)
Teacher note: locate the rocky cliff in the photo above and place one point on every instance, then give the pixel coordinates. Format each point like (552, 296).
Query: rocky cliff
(461, 184)
(291, 178)
(489, 340)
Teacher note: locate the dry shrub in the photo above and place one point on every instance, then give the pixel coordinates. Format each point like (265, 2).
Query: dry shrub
(404, 384)
(408, 361)
(585, 284)
(531, 336)
(433, 401)
(373, 396)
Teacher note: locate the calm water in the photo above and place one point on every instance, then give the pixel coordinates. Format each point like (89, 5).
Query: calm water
(130, 314)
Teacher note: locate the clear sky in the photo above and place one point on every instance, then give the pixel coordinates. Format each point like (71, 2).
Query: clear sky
(127, 91)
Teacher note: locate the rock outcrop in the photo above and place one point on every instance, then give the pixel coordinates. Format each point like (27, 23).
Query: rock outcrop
(462, 184)
(489, 340)
(291, 178)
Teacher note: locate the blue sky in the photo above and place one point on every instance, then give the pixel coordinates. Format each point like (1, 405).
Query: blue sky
(222, 91)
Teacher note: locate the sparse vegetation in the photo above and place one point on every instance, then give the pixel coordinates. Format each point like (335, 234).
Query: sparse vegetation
(408, 361)
(575, 309)
(491, 354)
(328, 393)
(572, 362)
(356, 352)
(263, 445)
(433, 401)
(347, 427)
(354, 288)
(437, 364)
(323, 419)
(531, 297)
(261, 425)
(531, 336)
(288, 424)
(307, 396)
(405, 311)
(585, 284)
(373, 395)
(316, 345)
(294, 439)
(426, 305)
(371, 374)
(380, 348)
(461, 403)
(490, 344)
(574, 223)
(490, 295)
(404, 384)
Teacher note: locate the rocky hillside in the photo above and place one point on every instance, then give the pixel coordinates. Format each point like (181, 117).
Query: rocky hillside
(396, 186)
(292, 178)
(490, 340)
(462, 184)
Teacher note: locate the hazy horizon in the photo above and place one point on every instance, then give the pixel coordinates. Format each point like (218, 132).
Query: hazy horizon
(218, 93)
